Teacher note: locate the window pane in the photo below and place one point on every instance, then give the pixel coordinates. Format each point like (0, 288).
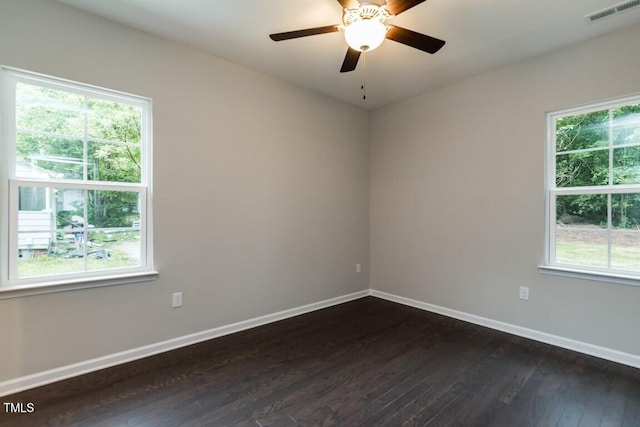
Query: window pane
(113, 121)
(109, 209)
(32, 199)
(626, 165)
(114, 162)
(582, 246)
(625, 250)
(43, 249)
(626, 125)
(581, 230)
(36, 241)
(582, 131)
(625, 239)
(581, 169)
(44, 157)
(578, 210)
(57, 242)
(51, 253)
(111, 249)
(42, 254)
(69, 207)
(48, 110)
(63, 208)
(41, 221)
(625, 211)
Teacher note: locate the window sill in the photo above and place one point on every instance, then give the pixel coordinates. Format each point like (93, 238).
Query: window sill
(72, 285)
(576, 273)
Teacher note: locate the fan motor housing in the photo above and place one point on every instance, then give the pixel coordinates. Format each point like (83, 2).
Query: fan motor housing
(366, 11)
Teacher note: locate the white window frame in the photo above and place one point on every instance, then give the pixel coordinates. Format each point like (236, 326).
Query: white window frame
(10, 285)
(551, 266)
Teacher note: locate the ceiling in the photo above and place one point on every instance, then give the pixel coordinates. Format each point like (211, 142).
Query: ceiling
(480, 35)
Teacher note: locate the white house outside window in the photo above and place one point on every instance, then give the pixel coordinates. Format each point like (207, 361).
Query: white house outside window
(593, 188)
(76, 182)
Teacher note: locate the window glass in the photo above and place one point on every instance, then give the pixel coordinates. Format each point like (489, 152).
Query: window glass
(595, 187)
(80, 179)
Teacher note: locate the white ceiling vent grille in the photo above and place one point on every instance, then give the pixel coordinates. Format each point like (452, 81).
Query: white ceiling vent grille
(612, 10)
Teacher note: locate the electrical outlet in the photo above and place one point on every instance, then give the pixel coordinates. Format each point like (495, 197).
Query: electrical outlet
(358, 268)
(176, 300)
(524, 293)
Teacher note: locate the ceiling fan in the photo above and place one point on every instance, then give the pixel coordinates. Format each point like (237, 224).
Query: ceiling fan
(365, 29)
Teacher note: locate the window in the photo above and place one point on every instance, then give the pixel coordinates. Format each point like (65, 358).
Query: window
(76, 182)
(593, 188)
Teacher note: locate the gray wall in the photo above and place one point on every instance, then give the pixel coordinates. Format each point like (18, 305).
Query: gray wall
(261, 192)
(457, 195)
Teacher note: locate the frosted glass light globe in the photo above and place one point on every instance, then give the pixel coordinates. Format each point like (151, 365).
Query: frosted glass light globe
(365, 34)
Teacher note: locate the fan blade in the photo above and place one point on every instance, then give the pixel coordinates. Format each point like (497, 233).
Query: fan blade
(303, 33)
(411, 38)
(350, 60)
(349, 4)
(396, 7)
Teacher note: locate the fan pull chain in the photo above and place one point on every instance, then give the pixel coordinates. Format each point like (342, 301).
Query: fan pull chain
(363, 87)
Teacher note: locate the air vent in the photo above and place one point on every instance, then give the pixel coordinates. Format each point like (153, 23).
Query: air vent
(612, 10)
(627, 5)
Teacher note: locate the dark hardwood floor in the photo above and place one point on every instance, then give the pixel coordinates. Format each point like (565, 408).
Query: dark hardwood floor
(368, 362)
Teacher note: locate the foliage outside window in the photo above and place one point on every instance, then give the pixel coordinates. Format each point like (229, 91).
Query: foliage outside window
(76, 181)
(593, 188)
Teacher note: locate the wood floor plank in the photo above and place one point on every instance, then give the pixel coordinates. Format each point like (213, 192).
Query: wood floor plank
(369, 362)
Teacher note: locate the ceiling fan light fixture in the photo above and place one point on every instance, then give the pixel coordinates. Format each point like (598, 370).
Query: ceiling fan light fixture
(365, 34)
(363, 22)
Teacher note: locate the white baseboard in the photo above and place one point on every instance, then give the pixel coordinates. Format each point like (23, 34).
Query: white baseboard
(581, 347)
(46, 377)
